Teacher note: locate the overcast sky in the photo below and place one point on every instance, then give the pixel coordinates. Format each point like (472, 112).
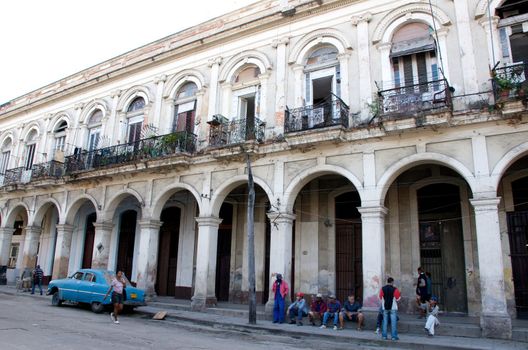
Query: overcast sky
(45, 40)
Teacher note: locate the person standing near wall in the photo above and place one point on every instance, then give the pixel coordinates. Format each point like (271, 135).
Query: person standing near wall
(390, 296)
(37, 279)
(280, 290)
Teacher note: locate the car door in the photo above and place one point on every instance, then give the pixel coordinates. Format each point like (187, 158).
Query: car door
(99, 288)
(70, 287)
(85, 288)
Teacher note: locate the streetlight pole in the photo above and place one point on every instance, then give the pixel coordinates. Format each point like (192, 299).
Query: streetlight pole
(251, 245)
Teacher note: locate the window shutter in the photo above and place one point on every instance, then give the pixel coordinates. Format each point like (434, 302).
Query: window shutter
(422, 71)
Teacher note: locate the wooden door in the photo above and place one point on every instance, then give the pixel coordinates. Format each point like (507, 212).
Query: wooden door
(349, 270)
(223, 263)
(127, 236)
(89, 241)
(518, 237)
(168, 252)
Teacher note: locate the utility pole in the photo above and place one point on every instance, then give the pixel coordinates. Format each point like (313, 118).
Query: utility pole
(251, 245)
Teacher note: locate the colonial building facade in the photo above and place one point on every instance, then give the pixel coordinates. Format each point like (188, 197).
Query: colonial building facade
(383, 136)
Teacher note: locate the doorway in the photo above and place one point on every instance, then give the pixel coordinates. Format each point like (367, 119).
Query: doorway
(127, 236)
(89, 237)
(349, 267)
(168, 252)
(442, 245)
(223, 253)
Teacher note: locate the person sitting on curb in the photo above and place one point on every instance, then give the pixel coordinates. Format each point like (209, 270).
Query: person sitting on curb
(280, 290)
(333, 308)
(298, 309)
(317, 309)
(351, 312)
(432, 316)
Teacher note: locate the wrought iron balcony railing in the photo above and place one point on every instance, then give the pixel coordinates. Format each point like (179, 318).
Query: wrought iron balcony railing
(509, 82)
(411, 99)
(318, 116)
(13, 176)
(224, 132)
(149, 148)
(51, 169)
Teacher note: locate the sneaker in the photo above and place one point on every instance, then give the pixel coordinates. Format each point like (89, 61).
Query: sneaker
(299, 323)
(430, 335)
(323, 327)
(292, 322)
(116, 322)
(377, 330)
(340, 328)
(384, 338)
(112, 317)
(396, 338)
(313, 323)
(335, 328)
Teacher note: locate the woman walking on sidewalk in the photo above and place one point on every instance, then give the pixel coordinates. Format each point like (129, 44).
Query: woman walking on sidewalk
(117, 286)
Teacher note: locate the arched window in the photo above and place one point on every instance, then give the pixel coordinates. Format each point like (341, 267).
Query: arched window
(185, 108)
(94, 129)
(322, 75)
(31, 145)
(135, 116)
(246, 93)
(413, 56)
(512, 33)
(5, 155)
(60, 136)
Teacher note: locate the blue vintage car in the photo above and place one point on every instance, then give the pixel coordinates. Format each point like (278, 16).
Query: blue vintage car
(89, 286)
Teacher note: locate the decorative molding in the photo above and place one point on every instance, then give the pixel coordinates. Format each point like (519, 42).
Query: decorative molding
(330, 35)
(366, 17)
(213, 61)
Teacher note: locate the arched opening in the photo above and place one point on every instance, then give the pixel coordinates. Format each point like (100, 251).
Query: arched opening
(327, 238)
(231, 254)
(135, 117)
(430, 224)
(514, 39)
(185, 108)
(94, 130)
(89, 237)
(59, 145)
(82, 216)
(127, 238)
(514, 191)
(5, 156)
(168, 252)
(47, 243)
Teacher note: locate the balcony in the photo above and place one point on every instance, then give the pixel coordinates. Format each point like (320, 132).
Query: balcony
(406, 101)
(509, 82)
(13, 176)
(225, 132)
(315, 117)
(145, 149)
(42, 171)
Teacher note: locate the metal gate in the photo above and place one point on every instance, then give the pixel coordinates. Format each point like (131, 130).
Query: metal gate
(518, 236)
(349, 272)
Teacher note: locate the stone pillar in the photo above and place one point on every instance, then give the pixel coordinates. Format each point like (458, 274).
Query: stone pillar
(298, 72)
(103, 233)
(205, 279)
(226, 101)
(213, 90)
(492, 39)
(263, 102)
(31, 246)
(113, 128)
(386, 66)
(147, 263)
(373, 256)
(465, 42)
(62, 251)
(160, 82)
(345, 86)
(442, 46)
(365, 86)
(494, 320)
(6, 234)
(281, 82)
(280, 250)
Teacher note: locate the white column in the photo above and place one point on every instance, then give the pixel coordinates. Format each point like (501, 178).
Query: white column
(494, 320)
(345, 85)
(442, 44)
(298, 84)
(78, 137)
(147, 263)
(6, 234)
(31, 246)
(160, 82)
(103, 233)
(365, 86)
(465, 43)
(386, 66)
(281, 82)
(214, 64)
(263, 107)
(280, 250)
(226, 101)
(205, 279)
(62, 251)
(492, 39)
(201, 118)
(373, 254)
(112, 130)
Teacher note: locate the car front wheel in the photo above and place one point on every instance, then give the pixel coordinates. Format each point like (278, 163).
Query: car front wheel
(55, 300)
(97, 307)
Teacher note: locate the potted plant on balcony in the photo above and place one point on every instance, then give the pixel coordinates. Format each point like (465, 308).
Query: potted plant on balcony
(503, 86)
(171, 143)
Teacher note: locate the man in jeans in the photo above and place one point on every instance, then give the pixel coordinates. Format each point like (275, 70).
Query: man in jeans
(333, 309)
(390, 296)
(298, 309)
(37, 279)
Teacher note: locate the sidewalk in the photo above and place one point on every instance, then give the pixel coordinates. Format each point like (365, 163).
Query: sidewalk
(366, 337)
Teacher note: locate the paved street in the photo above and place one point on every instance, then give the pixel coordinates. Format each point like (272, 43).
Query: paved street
(32, 323)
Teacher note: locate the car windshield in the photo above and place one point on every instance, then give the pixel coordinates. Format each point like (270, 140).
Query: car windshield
(108, 275)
